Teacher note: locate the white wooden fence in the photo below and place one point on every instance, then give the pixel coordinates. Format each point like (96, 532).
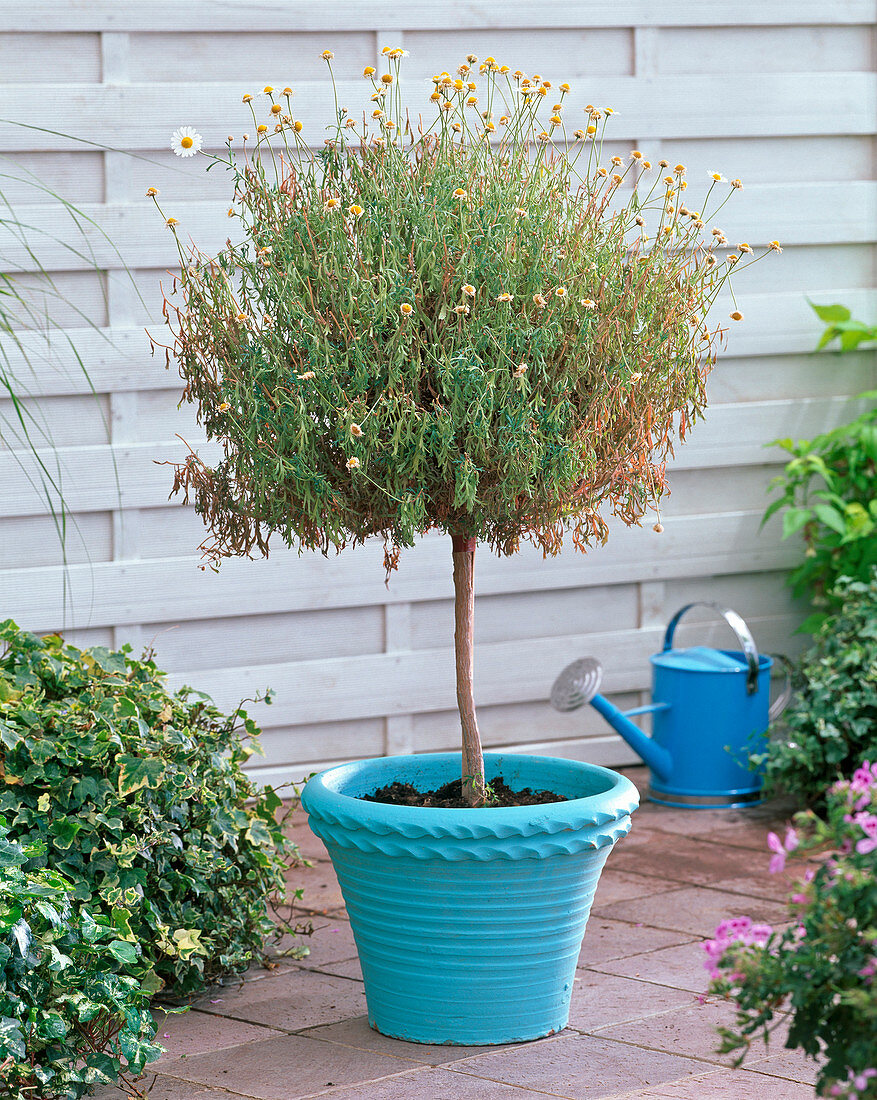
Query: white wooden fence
(780, 94)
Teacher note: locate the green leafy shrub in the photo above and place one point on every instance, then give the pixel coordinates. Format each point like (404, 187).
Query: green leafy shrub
(831, 722)
(69, 1015)
(829, 489)
(139, 799)
(821, 969)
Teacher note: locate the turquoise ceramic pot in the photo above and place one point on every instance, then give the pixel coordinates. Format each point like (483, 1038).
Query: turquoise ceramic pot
(469, 922)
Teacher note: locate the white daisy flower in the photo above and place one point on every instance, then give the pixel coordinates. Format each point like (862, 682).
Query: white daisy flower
(186, 142)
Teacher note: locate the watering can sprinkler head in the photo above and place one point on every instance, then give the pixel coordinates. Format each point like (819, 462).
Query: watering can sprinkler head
(577, 684)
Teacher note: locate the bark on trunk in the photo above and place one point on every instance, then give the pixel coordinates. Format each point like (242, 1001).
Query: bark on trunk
(464, 622)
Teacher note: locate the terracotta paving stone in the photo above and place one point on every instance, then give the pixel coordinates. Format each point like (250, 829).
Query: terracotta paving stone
(169, 1088)
(722, 1085)
(685, 860)
(436, 1084)
(607, 939)
(689, 1030)
(297, 999)
(615, 885)
(581, 1067)
(332, 941)
(793, 1064)
(694, 909)
(676, 967)
(287, 1068)
(347, 968)
(357, 1033)
(695, 822)
(310, 846)
(322, 894)
(775, 888)
(195, 1032)
(599, 1000)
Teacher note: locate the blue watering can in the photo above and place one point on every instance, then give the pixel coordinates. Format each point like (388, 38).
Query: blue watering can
(711, 709)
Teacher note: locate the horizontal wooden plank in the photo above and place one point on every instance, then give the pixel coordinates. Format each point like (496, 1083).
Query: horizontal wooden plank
(607, 750)
(395, 683)
(730, 435)
(141, 117)
(175, 589)
(236, 16)
(119, 360)
(796, 213)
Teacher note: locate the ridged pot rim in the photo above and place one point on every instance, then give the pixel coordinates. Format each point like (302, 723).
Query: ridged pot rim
(324, 797)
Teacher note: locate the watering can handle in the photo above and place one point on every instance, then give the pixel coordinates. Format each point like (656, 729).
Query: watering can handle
(737, 624)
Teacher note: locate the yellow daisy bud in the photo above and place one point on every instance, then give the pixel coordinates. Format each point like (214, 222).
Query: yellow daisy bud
(369, 70)
(406, 308)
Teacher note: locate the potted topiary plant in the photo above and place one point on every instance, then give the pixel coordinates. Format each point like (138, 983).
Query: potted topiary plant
(480, 326)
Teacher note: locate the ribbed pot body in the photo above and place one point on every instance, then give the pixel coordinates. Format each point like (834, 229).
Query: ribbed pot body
(469, 922)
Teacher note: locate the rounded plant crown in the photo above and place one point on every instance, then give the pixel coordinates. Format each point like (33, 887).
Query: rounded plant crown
(481, 324)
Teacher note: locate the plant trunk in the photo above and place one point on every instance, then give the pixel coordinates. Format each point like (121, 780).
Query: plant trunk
(464, 623)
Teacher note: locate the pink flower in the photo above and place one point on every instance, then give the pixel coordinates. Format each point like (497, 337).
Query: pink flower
(868, 823)
(864, 777)
(781, 848)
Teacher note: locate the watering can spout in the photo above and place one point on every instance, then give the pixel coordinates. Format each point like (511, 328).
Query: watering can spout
(579, 683)
(657, 758)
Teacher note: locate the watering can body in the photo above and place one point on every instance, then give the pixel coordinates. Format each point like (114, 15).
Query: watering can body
(708, 723)
(710, 709)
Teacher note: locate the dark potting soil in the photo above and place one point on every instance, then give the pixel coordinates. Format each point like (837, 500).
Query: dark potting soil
(450, 796)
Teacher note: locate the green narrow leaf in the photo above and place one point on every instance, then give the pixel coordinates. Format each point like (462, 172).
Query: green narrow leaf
(835, 312)
(830, 517)
(794, 520)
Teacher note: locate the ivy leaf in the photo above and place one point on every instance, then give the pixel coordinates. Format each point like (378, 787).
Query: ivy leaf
(136, 772)
(52, 1026)
(188, 942)
(11, 855)
(22, 935)
(64, 832)
(11, 1039)
(258, 833)
(124, 952)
